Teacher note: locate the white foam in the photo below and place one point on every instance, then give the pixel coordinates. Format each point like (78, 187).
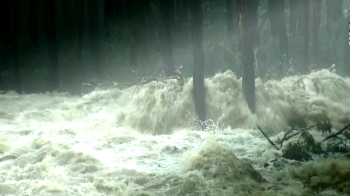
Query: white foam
(142, 139)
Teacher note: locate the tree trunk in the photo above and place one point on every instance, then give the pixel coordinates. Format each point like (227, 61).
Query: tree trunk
(94, 37)
(33, 21)
(181, 28)
(232, 16)
(229, 17)
(272, 9)
(293, 18)
(303, 27)
(14, 50)
(254, 12)
(314, 22)
(52, 46)
(79, 25)
(166, 10)
(282, 31)
(196, 16)
(101, 16)
(247, 38)
(279, 19)
(347, 53)
(181, 11)
(334, 10)
(80, 31)
(133, 55)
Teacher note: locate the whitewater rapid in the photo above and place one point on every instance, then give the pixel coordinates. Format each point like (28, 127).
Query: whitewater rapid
(143, 140)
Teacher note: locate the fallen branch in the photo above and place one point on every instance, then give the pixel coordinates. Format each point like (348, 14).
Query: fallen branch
(337, 133)
(146, 80)
(273, 144)
(286, 137)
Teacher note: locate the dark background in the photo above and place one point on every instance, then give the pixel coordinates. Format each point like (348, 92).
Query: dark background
(59, 45)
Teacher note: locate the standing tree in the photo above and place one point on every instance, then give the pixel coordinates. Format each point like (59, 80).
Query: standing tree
(81, 31)
(33, 21)
(254, 18)
(94, 9)
(278, 28)
(282, 30)
(314, 23)
(272, 7)
(181, 24)
(247, 38)
(167, 20)
(14, 21)
(336, 27)
(347, 53)
(303, 28)
(229, 17)
(293, 18)
(196, 18)
(52, 46)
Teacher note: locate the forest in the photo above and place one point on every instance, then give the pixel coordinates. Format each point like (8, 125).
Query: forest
(175, 97)
(58, 45)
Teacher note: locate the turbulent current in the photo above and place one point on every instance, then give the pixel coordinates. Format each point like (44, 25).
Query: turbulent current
(143, 140)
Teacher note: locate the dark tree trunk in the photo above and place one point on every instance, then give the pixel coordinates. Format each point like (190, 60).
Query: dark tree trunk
(229, 17)
(293, 18)
(272, 9)
(101, 17)
(347, 54)
(14, 21)
(81, 32)
(167, 10)
(94, 37)
(232, 16)
(133, 56)
(196, 16)
(181, 28)
(33, 21)
(303, 27)
(181, 11)
(334, 9)
(177, 10)
(314, 22)
(282, 31)
(52, 46)
(254, 12)
(247, 38)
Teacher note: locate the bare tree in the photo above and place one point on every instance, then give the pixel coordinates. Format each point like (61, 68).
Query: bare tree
(94, 10)
(167, 20)
(229, 17)
(196, 17)
(303, 28)
(52, 46)
(33, 21)
(278, 28)
(80, 17)
(14, 21)
(314, 23)
(247, 38)
(293, 18)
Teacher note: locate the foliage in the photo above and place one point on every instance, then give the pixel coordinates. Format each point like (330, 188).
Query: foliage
(302, 144)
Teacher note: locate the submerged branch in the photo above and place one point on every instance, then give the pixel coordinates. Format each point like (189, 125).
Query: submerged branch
(337, 133)
(273, 144)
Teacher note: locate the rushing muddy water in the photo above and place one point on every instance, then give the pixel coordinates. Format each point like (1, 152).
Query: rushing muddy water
(143, 140)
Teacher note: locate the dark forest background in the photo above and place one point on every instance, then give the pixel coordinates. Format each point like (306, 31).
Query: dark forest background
(63, 45)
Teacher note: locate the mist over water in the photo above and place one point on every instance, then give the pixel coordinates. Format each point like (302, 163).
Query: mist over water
(142, 140)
